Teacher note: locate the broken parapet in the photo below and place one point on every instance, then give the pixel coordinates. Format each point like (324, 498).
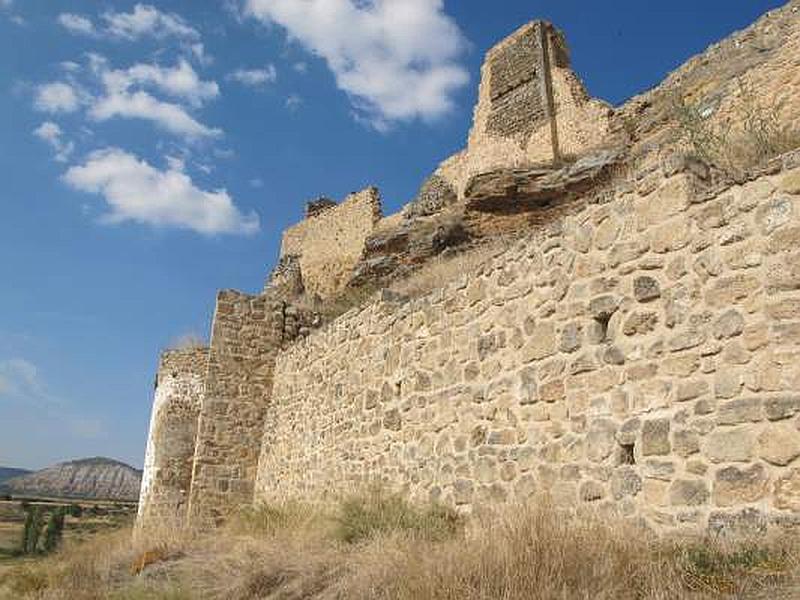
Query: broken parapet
(329, 242)
(532, 109)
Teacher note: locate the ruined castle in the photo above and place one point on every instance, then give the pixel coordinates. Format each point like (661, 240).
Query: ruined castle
(631, 343)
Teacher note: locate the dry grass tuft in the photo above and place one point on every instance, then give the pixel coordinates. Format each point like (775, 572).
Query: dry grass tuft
(444, 268)
(749, 140)
(379, 547)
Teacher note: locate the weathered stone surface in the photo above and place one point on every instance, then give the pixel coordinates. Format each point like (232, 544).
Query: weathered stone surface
(787, 491)
(779, 444)
(740, 485)
(685, 442)
(625, 482)
(655, 437)
(782, 407)
(646, 288)
(729, 324)
(601, 440)
(435, 194)
(508, 190)
(688, 492)
(741, 410)
(730, 445)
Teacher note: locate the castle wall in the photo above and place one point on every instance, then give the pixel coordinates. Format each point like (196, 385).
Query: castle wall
(171, 442)
(523, 89)
(329, 244)
(641, 356)
(246, 335)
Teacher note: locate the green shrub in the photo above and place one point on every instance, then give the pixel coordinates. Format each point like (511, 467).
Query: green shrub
(34, 519)
(364, 517)
(54, 531)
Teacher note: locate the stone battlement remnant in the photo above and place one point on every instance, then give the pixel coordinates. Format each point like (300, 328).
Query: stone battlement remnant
(634, 347)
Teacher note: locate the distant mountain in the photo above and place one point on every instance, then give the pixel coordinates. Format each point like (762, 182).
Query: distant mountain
(9, 473)
(89, 478)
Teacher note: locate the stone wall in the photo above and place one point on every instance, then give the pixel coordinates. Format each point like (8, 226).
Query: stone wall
(532, 108)
(167, 473)
(246, 335)
(640, 356)
(329, 243)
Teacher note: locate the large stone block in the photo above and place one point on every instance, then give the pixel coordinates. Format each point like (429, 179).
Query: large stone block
(740, 485)
(730, 445)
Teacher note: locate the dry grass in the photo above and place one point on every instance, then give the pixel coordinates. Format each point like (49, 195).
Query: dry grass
(739, 145)
(391, 550)
(445, 268)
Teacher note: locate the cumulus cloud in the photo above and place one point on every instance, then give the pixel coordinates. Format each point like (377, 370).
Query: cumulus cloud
(57, 97)
(123, 97)
(146, 20)
(398, 60)
(51, 133)
(255, 77)
(76, 24)
(180, 81)
(136, 191)
(141, 105)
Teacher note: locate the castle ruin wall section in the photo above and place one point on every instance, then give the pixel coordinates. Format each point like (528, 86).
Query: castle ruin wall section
(167, 476)
(641, 357)
(247, 333)
(329, 244)
(532, 109)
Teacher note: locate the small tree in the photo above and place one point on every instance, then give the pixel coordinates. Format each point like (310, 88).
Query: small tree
(32, 530)
(54, 531)
(75, 510)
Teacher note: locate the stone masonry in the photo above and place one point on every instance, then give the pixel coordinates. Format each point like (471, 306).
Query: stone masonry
(171, 443)
(641, 356)
(247, 334)
(634, 348)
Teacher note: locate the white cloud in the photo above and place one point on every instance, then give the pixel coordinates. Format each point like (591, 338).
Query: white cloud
(300, 67)
(141, 105)
(396, 59)
(256, 183)
(51, 133)
(146, 20)
(6, 3)
(136, 191)
(121, 99)
(255, 77)
(180, 81)
(57, 97)
(76, 24)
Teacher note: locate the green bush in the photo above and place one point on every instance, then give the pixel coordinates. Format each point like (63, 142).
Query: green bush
(54, 531)
(34, 519)
(364, 517)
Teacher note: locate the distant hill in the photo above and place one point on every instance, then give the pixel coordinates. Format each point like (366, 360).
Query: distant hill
(10, 473)
(89, 478)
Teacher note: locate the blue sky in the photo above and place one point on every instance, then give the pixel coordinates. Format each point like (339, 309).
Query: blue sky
(152, 153)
